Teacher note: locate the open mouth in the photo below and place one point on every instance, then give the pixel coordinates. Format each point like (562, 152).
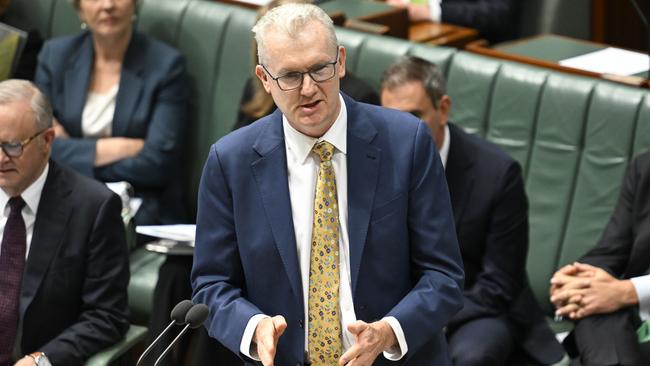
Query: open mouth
(310, 106)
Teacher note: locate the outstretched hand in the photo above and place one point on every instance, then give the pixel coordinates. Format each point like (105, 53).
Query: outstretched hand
(371, 340)
(266, 337)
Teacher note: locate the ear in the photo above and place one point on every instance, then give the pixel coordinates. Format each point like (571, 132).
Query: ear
(341, 62)
(48, 138)
(444, 108)
(264, 78)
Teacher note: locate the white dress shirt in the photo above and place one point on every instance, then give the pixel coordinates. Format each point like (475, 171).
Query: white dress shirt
(435, 10)
(302, 168)
(32, 197)
(444, 149)
(642, 287)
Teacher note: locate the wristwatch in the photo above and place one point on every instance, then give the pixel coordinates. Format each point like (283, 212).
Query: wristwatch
(40, 359)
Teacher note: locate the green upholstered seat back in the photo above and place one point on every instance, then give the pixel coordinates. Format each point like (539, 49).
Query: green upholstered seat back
(31, 14)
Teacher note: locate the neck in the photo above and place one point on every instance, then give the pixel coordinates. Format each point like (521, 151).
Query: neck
(111, 48)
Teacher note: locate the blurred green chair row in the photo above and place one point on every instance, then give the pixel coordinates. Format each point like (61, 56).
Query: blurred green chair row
(572, 135)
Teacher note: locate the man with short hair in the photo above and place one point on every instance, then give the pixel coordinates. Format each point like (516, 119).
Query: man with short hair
(63, 255)
(324, 231)
(491, 216)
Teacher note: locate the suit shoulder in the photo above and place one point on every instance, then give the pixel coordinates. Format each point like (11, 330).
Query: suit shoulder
(84, 189)
(63, 47)
(485, 151)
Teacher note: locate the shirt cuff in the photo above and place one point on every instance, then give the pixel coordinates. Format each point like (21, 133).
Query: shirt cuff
(642, 287)
(246, 346)
(436, 10)
(396, 353)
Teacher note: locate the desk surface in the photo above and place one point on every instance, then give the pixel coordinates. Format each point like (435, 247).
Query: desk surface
(547, 50)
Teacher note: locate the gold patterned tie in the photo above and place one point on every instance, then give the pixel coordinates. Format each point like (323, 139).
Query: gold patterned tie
(325, 345)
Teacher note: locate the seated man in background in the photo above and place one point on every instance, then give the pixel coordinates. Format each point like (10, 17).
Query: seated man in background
(491, 217)
(496, 20)
(63, 255)
(607, 293)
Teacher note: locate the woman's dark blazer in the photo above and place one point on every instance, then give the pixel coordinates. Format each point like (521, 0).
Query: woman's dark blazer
(151, 104)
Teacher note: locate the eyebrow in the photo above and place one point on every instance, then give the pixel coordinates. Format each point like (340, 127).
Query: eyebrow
(283, 72)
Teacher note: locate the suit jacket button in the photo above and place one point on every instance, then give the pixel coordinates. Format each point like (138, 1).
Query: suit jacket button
(300, 323)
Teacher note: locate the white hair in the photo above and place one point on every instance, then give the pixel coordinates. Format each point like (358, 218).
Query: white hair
(291, 20)
(15, 90)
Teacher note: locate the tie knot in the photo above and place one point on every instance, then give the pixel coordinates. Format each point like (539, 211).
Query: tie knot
(324, 150)
(16, 203)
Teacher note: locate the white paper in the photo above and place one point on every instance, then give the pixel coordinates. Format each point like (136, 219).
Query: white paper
(255, 2)
(174, 232)
(610, 60)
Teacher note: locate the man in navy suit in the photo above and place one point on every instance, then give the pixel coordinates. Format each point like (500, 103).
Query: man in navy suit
(63, 257)
(400, 271)
(490, 212)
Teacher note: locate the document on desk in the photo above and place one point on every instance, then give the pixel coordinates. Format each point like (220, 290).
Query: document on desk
(181, 233)
(610, 60)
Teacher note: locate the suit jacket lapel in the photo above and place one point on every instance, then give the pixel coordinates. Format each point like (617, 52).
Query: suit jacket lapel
(49, 228)
(75, 85)
(458, 163)
(363, 169)
(270, 172)
(131, 85)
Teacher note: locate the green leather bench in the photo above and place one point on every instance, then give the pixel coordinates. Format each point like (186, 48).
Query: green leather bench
(572, 135)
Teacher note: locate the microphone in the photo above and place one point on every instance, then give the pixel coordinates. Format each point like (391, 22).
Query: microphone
(194, 318)
(178, 316)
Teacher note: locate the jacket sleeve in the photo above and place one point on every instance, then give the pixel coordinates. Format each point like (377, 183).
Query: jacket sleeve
(436, 265)
(103, 320)
(165, 133)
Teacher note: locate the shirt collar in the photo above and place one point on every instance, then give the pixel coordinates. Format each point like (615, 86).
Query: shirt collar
(444, 149)
(302, 144)
(32, 195)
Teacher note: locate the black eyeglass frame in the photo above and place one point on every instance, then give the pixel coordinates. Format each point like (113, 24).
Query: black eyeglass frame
(19, 145)
(302, 73)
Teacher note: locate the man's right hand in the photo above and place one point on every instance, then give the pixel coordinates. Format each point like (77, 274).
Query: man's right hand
(266, 337)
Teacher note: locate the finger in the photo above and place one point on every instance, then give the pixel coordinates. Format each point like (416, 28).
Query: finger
(357, 327)
(351, 354)
(575, 299)
(279, 325)
(585, 267)
(566, 310)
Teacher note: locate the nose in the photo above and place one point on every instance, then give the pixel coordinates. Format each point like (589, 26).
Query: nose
(107, 4)
(308, 87)
(4, 157)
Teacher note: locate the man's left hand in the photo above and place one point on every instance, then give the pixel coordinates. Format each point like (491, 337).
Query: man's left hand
(605, 294)
(371, 340)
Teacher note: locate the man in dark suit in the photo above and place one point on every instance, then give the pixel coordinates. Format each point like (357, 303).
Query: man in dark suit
(369, 266)
(496, 20)
(607, 292)
(63, 255)
(490, 212)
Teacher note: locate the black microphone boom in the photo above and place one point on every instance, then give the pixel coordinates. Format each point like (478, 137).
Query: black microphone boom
(178, 316)
(194, 318)
(645, 25)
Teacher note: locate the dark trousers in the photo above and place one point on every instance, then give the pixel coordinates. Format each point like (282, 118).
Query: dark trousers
(608, 339)
(481, 342)
(196, 348)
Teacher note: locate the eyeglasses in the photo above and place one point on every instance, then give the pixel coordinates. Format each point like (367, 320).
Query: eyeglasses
(293, 80)
(15, 149)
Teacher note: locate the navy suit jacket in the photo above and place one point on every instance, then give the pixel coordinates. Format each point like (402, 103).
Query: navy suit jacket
(491, 215)
(73, 299)
(496, 20)
(404, 258)
(150, 104)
